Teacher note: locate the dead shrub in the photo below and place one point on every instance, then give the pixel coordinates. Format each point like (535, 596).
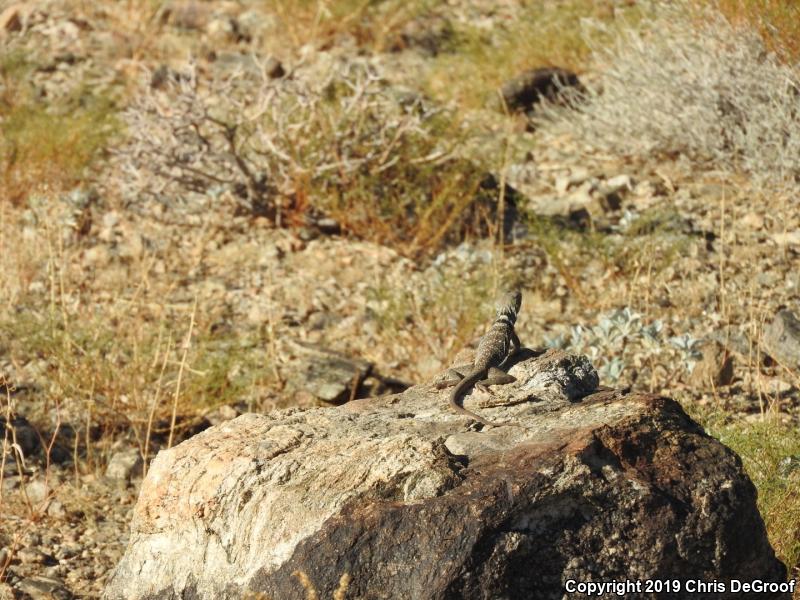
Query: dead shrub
(382, 163)
(678, 86)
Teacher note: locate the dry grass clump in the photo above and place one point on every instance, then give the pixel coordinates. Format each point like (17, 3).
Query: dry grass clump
(46, 145)
(123, 372)
(346, 145)
(704, 90)
(115, 351)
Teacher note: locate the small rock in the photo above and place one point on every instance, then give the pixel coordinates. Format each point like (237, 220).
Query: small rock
(714, 369)
(767, 278)
(781, 339)
(132, 246)
(327, 375)
(56, 510)
(11, 18)
(67, 550)
(37, 287)
(617, 184)
(576, 177)
(31, 556)
(38, 490)
(109, 221)
(328, 226)
(20, 430)
(237, 61)
(159, 77)
(428, 34)
(52, 572)
(778, 387)
(44, 588)
(124, 465)
(221, 27)
(752, 221)
(790, 238)
(188, 15)
(273, 68)
(787, 467)
(222, 414)
(96, 256)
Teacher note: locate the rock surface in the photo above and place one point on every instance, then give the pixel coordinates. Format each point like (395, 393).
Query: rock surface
(409, 499)
(782, 339)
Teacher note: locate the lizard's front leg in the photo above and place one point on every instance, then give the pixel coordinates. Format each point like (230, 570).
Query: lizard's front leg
(452, 377)
(494, 377)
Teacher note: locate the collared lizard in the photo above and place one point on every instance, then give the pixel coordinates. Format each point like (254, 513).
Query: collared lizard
(494, 348)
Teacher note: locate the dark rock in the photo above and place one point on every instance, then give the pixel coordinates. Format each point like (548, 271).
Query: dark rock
(273, 68)
(781, 339)
(486, 208)
(409, 500)
(11, 18)
(522, 93)
(715, 369)
(20, 430)
(159, 77)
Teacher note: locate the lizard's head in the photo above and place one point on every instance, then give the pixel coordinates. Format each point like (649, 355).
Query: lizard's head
(508, 304)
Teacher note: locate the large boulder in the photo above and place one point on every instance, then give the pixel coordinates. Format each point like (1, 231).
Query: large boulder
(399, 497)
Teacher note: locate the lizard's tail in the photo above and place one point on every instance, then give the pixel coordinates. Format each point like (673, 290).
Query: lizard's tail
(459, 391)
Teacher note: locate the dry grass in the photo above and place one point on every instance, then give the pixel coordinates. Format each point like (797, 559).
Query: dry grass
(373, 25)
(478, 61)
(777, 21)
(431, 315)
(117, 353)
(46, 146)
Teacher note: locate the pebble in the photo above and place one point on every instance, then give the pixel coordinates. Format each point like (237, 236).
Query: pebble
(56, 510)
(790, 238)
(617, 184)
(752, 220)
(43, 588)
(31, 556)
(124, 465)
(38, 490)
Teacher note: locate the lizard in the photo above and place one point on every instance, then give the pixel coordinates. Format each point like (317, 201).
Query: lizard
(494, 348)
